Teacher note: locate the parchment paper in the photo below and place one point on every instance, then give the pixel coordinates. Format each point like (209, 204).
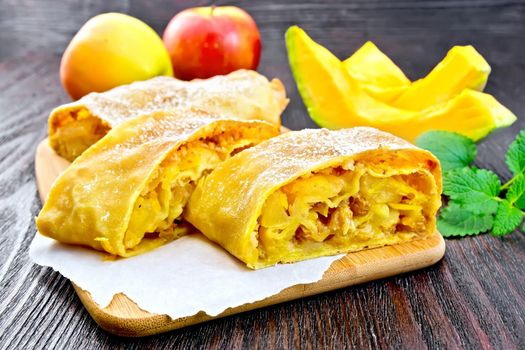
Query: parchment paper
(179, 279)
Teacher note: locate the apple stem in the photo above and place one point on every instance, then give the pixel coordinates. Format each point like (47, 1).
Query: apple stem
(212, 7)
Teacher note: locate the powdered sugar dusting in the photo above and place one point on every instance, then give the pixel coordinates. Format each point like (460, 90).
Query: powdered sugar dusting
(105, 180)
(301, 150)
(275, 162)
(242, 94)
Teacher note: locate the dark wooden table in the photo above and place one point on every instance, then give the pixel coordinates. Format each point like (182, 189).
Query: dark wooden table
(474, 298)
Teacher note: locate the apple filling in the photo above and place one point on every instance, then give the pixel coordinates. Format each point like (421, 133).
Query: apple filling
(337, 210)
(157, 211)
(78, 129)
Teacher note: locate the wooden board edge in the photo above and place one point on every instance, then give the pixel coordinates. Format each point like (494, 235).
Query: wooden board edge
(144, 323)
(45, 157)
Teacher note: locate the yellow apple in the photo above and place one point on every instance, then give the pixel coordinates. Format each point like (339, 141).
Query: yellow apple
(112, 49)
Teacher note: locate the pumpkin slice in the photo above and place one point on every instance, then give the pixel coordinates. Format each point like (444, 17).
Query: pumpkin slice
(335, 100)
(462, 68)
(377, 74)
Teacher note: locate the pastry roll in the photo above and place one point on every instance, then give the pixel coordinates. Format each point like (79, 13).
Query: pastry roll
(126, 193)
(245, 94)
(311, 193)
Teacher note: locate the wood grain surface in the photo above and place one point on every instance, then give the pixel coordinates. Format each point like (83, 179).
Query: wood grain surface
(474, 298)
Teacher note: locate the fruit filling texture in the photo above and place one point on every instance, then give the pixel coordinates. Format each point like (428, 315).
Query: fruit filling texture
(336, 210)
(157, 211)
(78, 130)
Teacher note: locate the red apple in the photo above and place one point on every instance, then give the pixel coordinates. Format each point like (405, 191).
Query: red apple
(207, 41)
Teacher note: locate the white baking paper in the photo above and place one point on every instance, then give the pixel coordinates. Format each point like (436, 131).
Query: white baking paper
(179, 279)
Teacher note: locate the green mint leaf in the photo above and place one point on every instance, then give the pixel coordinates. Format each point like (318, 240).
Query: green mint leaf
(452, 149)
(507, 219)
(515, 158)
(516, 192)
(475, 189)
(456, 220)
(479, 204)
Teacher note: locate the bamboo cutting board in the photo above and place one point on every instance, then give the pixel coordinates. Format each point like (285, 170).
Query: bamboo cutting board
(123, 317)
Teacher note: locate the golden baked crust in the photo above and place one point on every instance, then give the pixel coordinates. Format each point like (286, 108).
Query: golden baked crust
(124, 193)
(316, 192)
(243, 94)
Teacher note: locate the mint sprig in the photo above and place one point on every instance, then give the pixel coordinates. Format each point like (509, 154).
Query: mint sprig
(478, 202)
